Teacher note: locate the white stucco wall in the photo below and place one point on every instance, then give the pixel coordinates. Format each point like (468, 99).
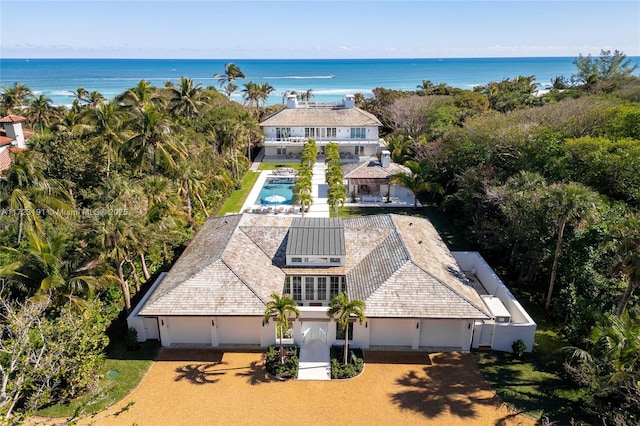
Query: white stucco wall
(446, 333)
(239, 330)
(147, 328)
(521, 326)
(392, 331)
(188, 330)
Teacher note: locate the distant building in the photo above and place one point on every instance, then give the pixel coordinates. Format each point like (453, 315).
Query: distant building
(12, 138)
(354, 130)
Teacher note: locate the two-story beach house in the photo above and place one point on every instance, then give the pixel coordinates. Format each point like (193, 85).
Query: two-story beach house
(418, 294)
(354, 130)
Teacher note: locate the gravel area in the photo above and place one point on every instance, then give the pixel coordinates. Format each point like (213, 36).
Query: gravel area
(208, 387)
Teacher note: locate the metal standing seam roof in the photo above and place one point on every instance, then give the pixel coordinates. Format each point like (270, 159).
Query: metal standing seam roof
(315, 236)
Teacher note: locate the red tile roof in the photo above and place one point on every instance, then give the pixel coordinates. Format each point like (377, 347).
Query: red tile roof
(5, 140)
(12, 119)
(5, 160)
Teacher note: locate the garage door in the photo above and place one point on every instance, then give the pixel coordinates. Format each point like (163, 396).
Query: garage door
(443, 333)
(391, 332)
(239, 330)
(194, 330)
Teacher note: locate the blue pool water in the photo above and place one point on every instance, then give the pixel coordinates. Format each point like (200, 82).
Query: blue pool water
(281, 189)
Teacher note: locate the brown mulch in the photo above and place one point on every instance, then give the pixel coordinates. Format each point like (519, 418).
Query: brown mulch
(208, 387)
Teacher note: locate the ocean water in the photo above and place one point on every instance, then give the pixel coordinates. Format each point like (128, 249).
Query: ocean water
(329, 79)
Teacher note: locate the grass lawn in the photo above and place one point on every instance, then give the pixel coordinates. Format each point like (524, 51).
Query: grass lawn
(237, 198)
(120, 374)
(535, 385)
(278, 164)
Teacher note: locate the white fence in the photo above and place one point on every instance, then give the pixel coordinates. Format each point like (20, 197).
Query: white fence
(500, 336)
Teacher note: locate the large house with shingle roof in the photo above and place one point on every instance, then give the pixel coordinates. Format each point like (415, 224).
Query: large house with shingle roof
(417, 294)
(353, 129)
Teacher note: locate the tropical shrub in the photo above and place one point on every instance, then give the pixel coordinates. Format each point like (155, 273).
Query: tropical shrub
(351, 369)
(282, 370)
(518, 347)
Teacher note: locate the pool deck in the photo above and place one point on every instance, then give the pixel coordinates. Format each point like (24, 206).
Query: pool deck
(319, 207)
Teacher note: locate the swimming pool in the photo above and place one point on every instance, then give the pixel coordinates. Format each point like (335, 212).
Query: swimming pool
(276, 191)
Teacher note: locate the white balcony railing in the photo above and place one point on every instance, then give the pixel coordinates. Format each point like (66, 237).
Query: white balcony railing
(301, 141)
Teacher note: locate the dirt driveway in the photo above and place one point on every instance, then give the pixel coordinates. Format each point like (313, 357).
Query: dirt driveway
(206, 387)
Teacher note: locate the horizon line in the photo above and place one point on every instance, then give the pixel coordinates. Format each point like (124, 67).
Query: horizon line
(298, 59)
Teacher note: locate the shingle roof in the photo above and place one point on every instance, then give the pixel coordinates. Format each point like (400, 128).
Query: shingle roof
(321, 116)
(397, 264)
(374, 170)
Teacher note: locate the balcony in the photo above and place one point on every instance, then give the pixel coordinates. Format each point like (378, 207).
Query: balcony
(300, 140)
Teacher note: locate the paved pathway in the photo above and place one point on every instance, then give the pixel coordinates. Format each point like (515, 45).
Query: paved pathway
(315, 361)
(319, 208)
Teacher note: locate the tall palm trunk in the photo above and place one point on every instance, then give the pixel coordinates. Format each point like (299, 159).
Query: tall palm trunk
(187, 199)
(204, 207)
(134, 272)
(346, 344)
(631, 285)
(556, 256)
(125, 286)
(145, 270)
(20, 224)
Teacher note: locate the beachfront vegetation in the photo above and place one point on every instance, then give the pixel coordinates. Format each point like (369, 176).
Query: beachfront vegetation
(545, 186)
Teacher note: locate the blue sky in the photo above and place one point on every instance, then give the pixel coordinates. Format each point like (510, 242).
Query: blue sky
(315, 29)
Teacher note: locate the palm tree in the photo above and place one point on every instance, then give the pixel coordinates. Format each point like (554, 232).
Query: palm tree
(32, 194)
(141, 96)
(281, 308)
(265, 90)
(627, 236)
(43, 269)
(232, 72)
(336, 196)
(193, 184)
(80, 95)
(607, 368)
(153, 143)
(106, 121)
(417, 180)
(40, 111)
(572, 204)
(251, 93)
(307, 95)
(186, 99)
(15, 97)
(345, 311)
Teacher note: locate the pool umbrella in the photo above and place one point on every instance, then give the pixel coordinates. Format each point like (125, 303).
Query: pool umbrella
(275, 199)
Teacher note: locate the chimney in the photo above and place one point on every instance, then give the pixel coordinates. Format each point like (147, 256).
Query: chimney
(385, 159)
(350, 101)
(292, 101)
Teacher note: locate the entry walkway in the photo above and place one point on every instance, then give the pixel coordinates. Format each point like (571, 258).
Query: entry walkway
(315, 362)
(319, 207)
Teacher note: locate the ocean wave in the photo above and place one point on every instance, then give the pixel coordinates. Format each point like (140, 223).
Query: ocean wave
(342, 91)
(298, 77)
